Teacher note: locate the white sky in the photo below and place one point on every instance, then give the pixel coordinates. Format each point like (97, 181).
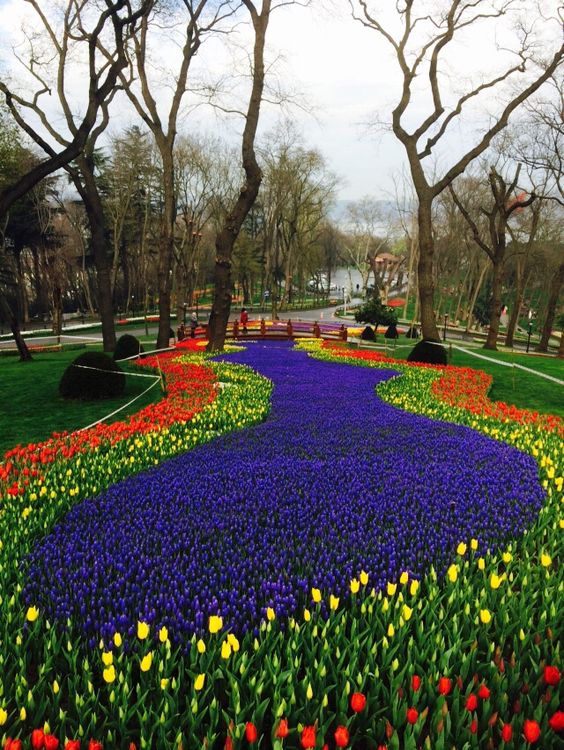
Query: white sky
(344, 72)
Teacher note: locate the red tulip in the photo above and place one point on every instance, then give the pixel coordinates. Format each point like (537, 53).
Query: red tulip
(507, 733)
(412, 715)
(484, 692)
(382, 747)
(341, 736)
(531, 730)
(94, 745)
(228, 743)
(308, 737)
(37, 739)
(13, 744)
(51, 742)
(473, 726)
(471, 702)
(251, 732)
(551, 675)
(132, 746)
(73, 745)
(358, 702)
(445, 685)
(556, 721)
(415, 683)
(282, 730)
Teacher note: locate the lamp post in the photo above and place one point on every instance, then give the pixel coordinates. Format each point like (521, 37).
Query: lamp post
(184, 305)
(530, 329)
(344, 301)
(444, 328)
(196, 301)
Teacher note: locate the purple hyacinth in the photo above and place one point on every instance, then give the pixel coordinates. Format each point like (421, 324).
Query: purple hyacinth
(334, 481)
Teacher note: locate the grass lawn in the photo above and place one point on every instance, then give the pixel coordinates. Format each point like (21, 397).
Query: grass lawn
(31, 408)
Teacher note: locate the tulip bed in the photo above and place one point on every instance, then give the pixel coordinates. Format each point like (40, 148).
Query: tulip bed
(343, 573)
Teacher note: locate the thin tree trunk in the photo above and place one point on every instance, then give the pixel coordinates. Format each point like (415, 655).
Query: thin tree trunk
(554, 293)
(517, 302)
(475, 296)
(493, 330)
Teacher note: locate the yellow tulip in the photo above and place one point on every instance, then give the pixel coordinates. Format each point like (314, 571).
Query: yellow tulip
(146, 662)
(316, 595)
(233, 642)
(452, 573)
(507, 557)
(164, 683)
(215, 624)
(461, 549)
(117, 639)
(495, 580)
(109, 674)
(333, 602)
(108, 658)
(55, 687)
(163, 634)
(404, 577)
(201, 646)
(309, 692)
(355, 586)
(546, 560)
(391, 631)
(363, 577)
(307, 615)
(474, 544)
(481, 563)
(3, 717)
(225, 650)
(142, 630)
(406, 612)
(391, 588)
(485, 616)
(414, 587)
(199, 682)
(32, 614)
(270, 614)
(23, 714)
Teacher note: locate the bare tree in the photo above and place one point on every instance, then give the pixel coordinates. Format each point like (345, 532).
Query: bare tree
(120, 17)
(420, 46)
(226, 238)
(503, 203)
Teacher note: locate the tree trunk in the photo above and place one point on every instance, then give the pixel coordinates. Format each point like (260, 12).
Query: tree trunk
(493, 330)
(234, 220)
(8, 315)
(85, 183)
(475, 294)
(429, 328)
(555, 286)
(166, 247)
(518, 301)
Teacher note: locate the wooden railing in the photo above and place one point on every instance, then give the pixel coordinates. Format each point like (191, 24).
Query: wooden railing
(280, 329)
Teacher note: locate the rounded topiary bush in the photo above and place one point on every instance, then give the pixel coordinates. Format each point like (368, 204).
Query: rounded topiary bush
(430, 352)
(412, 333)
(391, 331)
(368, 334)
(127, 346)
(92, 375)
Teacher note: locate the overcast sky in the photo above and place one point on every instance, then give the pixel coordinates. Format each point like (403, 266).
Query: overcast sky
(346, 74)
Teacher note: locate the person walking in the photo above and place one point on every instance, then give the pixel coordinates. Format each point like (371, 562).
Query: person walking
(193, 324)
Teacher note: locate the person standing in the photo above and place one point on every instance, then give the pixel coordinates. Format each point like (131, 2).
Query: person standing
(244, 319)
(193, 324)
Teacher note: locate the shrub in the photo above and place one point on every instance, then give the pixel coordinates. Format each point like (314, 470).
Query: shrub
(368, 334)
(391, 332)
(430, 352)
(412, 333)
(92, 375)
(127, 346)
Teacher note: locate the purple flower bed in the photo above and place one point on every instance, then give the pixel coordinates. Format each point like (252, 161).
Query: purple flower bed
(334, 481)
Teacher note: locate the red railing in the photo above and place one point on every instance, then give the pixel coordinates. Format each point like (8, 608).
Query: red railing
(279, 329)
